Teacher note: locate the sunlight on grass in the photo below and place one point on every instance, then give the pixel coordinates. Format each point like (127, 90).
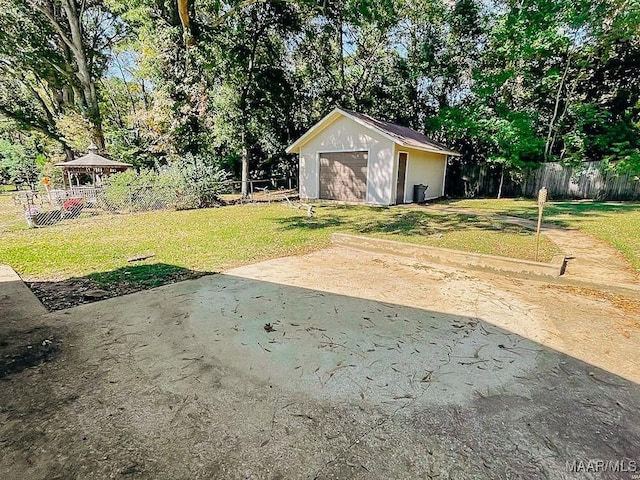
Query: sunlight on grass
(215, 239)
(446, 230)
(617, 223)
(11, 217)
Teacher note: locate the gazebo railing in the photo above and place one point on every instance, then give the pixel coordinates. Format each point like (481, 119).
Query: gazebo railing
(89, 194)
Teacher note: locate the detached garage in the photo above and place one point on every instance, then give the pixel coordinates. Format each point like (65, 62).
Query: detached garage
(352, 157)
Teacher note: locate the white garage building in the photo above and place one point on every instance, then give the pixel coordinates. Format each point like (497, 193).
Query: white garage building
(348, 156)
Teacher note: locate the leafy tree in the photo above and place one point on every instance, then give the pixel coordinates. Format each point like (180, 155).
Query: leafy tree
(508, 83)
(52, 54)
(17, 166)
(251, 92)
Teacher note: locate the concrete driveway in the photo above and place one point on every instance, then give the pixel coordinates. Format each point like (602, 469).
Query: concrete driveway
(338, 364)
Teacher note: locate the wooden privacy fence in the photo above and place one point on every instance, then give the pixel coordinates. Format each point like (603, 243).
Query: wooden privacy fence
(589, 181)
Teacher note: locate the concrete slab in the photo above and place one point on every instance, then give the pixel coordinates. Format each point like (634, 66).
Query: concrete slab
(17, 302)
(370, 366)
(582, 323)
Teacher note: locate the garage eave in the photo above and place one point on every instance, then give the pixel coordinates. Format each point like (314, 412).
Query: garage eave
(430, 150)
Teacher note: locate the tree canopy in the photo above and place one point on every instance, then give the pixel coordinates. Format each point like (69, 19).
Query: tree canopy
(512, 83)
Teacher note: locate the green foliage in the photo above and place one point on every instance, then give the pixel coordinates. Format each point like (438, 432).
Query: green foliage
(52, 54)
(504, 82)
(599, 136)
(75, 130)
(16, 165)
(564, 78)
(136, 117)
(624, 157)
(191, 183)
(54, 173)
(513, 140)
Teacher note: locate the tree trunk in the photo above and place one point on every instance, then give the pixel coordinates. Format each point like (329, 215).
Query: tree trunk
(548, 144)
(244, 108)
(341, 56)
(501, 182)
(88, 101)
(68, 153)
(66, 20)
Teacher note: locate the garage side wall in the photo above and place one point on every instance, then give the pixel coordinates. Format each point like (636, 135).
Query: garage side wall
(345, 135)
(426, 168)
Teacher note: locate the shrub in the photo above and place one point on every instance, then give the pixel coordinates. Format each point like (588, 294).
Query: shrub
(191, 183)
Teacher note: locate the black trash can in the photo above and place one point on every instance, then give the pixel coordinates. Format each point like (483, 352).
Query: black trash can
(419, 193)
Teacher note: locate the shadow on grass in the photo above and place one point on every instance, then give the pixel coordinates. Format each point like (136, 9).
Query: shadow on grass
(99, 286)
(318, 222)
(396, 221)
(590, 209)
(529, 210)
(421, 223)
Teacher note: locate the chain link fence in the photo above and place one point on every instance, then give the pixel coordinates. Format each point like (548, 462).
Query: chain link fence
(48, 207)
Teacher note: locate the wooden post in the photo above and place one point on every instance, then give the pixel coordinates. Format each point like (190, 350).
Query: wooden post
(542, 198)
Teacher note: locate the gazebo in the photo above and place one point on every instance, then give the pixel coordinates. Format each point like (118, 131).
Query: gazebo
(92, 165)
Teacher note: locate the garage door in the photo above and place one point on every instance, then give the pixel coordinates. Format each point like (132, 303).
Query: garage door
(343, 176)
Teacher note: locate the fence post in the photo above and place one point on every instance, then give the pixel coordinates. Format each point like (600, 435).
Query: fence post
(28, 211)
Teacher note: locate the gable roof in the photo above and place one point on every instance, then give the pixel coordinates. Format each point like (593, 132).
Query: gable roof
(403, 136)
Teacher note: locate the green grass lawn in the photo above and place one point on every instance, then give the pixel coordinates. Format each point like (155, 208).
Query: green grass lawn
(617, 223)
(7, 188)
(11, 217)
(210, 240)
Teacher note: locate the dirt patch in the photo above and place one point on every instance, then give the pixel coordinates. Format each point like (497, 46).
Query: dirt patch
(628, 307)
(22, 350)
(70, 292)
(625, 303)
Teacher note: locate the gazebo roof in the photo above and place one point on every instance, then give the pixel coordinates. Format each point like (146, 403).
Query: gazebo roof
(93, 160)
